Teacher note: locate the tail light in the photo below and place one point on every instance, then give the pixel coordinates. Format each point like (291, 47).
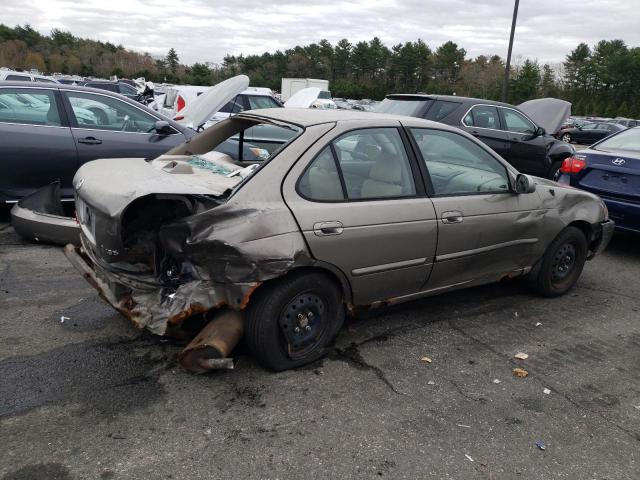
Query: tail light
(573, 164)
(180, 103)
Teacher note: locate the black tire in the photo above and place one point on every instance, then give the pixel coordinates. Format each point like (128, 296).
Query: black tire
(554, 171)
(562, 263)
(566, 137)
(278, 310)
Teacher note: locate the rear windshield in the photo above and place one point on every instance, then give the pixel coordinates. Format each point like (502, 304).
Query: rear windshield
(324, 95)
(625, 140)
(410, 106)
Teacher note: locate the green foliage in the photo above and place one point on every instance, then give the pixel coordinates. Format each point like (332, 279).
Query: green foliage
(603, 79)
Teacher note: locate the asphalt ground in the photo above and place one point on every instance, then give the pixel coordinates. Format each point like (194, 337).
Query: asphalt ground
(83, 395)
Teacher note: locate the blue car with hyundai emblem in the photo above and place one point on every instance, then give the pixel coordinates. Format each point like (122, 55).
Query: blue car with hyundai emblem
(610, 168)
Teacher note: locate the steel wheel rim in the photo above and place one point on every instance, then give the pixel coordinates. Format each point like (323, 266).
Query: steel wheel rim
(303, 323)
(564, 262)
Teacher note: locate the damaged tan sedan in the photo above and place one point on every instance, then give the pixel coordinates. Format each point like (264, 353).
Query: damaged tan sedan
(345, 210)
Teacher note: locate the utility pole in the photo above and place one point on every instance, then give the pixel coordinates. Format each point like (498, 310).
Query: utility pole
(505, 84)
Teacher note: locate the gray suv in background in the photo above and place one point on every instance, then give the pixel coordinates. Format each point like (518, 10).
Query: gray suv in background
(49, 130)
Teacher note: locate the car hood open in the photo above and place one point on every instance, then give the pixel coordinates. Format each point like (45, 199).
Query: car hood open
(303, 98)
(111, 184)
(549, 113)
(206, 105)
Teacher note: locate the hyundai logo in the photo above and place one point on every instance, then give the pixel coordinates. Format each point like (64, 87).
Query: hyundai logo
(618, 161)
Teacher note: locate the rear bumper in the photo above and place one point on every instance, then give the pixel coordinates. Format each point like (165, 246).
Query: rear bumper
(153, 306)
(626, 214)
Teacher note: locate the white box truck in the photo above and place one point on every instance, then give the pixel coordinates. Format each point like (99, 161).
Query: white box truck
(292, 85)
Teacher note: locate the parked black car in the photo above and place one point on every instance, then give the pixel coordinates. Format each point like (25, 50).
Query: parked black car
(590, 133)
(505, 128)
(49, 130)
(123, 88)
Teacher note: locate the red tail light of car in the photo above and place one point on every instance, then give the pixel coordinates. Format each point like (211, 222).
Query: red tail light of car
(180, 103)
(573, 164)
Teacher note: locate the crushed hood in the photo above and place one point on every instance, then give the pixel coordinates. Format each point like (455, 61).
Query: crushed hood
(111, 184)
(206, 105)
(303, 98)
(549, 113)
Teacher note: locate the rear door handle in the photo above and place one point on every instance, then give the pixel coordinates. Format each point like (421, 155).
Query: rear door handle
(327, 228)
(452, 217)
(90, 140)
(475, 133)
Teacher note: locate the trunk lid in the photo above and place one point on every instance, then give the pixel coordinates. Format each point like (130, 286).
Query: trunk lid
(612, 174)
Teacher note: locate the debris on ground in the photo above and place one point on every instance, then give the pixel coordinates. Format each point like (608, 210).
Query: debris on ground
(496, 381)
(521, 356)
(426, 359)
(431, 382)
(538, 324)
(515, 314)
(520, 372)
(63, 318)
(469, 457)
(464, 426)
(540, 444)
(546, 391)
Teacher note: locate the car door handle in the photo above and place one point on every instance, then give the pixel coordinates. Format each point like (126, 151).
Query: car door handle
(475, 133)
(327, 228)
(90, 140)
(452, 217)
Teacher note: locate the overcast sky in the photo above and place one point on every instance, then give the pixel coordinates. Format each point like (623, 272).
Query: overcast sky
(206, 30)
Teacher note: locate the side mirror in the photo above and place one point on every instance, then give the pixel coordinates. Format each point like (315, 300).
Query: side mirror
(524, 184)
(540, 131)
(163, 127)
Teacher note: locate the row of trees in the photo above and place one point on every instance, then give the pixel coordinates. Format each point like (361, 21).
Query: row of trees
(600, 80)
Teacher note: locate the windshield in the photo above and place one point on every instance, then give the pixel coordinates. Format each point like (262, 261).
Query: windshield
(625, 140)
(402, 106)
(324, 95)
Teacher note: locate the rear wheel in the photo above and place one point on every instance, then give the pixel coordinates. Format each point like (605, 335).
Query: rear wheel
(566, 137)
(562, 263)
(294, 320)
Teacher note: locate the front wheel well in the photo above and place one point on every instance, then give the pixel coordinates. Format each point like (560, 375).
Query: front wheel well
(586, 228)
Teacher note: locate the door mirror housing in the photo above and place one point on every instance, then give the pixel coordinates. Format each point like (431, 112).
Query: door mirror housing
(524, 184)
(162, 127)
(540, 132)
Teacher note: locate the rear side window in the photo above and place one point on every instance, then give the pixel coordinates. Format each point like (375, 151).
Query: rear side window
(111, 87)
(482, 116)
(44, 80)
(440, 109)
(367, 164)
(32, 107)
(234, 106)
(321, 181)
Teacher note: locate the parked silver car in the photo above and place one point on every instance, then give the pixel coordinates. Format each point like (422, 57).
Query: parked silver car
(354, 210)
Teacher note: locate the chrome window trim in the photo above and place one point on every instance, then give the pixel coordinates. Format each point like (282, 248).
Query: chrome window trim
(494, 129)
(32, 124)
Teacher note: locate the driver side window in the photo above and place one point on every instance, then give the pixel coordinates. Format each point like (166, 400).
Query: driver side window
(457, 166)
(105, 113)
(515, 122)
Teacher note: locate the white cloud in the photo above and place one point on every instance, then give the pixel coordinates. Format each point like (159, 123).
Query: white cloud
(204, 30)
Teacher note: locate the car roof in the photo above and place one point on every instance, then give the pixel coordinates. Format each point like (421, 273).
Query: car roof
(307, 117)
(59, 86)
(450, 98)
